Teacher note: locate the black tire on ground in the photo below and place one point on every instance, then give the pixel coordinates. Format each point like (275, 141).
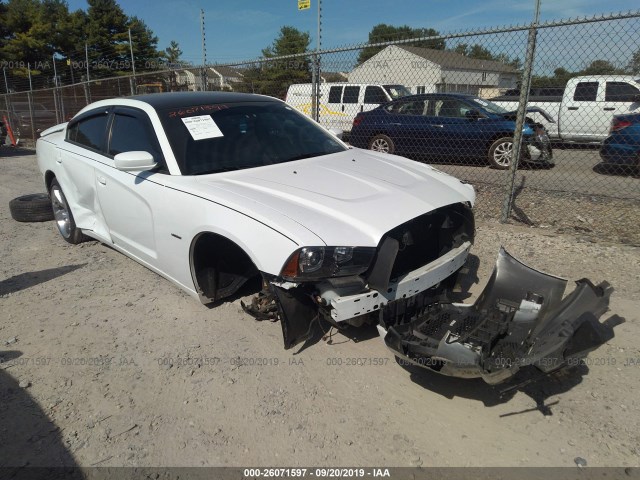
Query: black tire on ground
(35, 207)
(382, 143)
(64, 218)
(500, 152)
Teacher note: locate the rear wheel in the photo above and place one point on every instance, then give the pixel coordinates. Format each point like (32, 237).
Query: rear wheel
(500, 153)
(382, 143)
(63, 216)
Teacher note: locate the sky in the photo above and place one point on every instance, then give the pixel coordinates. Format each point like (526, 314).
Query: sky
(239, 30)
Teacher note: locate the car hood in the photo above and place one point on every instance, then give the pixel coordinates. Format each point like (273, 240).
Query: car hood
(348, 198)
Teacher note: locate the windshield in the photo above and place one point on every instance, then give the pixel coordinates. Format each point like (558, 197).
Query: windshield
(396, 91)
(489, 106)
(224, 137)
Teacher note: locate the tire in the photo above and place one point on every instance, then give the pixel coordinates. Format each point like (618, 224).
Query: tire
(35, 207)
(500, 153)
(382, 143)
(62, 215)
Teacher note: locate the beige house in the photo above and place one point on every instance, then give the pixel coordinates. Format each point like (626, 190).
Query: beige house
(425, 70)
(218, 78)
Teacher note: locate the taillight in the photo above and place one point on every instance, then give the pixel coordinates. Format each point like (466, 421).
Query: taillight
(357, 120)
(617, 124)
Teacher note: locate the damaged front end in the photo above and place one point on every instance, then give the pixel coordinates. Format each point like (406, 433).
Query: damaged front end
(351, 285)
(519, 319)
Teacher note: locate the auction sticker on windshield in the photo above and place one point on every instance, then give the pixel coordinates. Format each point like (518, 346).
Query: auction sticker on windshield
(202, 127)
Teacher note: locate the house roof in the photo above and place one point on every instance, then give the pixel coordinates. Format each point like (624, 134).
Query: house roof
(228, 72)
(334, 76)
(453, 60)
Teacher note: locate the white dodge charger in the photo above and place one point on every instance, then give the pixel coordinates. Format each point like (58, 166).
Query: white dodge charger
(212, 189)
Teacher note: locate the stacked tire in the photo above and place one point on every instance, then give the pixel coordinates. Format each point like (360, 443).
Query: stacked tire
(35, 207)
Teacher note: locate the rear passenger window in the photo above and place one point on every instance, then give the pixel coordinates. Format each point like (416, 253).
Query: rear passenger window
(335, 95)
(374, 95)
(412, 107)
(586, 92)
(620, 92)
(351, 94)
(89, 132)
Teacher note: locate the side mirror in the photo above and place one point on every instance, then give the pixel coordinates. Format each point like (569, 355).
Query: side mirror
(336, 132)
(135, 161)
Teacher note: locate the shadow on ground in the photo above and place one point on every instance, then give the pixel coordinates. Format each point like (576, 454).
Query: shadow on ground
(617, 170)
(31, 445)
(529, 380)
(30, 279)
(8, 151)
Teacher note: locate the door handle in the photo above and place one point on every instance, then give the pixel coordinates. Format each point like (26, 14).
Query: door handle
(394, 123)
(439, 126)
(609, 109)
(102, 180)
(343, 108)
(572, 108)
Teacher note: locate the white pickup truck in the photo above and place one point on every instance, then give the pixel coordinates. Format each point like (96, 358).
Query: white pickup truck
(583, 109)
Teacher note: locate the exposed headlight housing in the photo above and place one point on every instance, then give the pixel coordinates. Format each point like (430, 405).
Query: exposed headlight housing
(315, 263)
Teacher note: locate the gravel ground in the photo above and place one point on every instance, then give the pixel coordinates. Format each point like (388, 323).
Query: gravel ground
(106, 363)
(590, 217)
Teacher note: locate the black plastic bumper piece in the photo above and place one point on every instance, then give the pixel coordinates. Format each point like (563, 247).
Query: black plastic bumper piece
(519, 319)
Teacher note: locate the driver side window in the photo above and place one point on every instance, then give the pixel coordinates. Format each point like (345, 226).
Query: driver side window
(451, 108)
(130, 132)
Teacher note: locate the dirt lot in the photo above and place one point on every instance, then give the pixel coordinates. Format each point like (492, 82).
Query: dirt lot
(106, 363)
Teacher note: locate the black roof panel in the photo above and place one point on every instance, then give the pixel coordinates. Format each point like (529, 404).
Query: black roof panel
(160, 101)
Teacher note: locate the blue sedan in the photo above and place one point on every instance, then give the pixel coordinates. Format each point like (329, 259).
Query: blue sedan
(449, 126)
(622, 146)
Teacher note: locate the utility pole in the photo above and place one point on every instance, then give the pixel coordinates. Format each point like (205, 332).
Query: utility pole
(87, 88)
(86, 59)
(6, 86)
(55, 89)
(521, 114)
(132, 83)
(204, 52)
(30, 97)
(317, 62)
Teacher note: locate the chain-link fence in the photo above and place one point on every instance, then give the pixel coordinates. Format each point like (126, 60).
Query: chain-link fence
(468, 102)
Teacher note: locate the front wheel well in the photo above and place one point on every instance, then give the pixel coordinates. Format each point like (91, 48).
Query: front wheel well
(48, 178)
(219, 267)
(496, 137)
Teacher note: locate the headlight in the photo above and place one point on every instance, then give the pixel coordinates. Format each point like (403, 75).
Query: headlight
(314, 263)
(310, 259)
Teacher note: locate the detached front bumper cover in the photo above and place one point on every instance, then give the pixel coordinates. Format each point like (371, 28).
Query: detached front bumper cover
(519, 319)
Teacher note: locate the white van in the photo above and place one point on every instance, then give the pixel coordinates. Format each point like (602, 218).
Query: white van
(341, 102)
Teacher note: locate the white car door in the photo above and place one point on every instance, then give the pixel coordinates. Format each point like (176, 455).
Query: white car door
(128, 199)
(76, 160)
(333, 115)
(619, 98)
(581, 115)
